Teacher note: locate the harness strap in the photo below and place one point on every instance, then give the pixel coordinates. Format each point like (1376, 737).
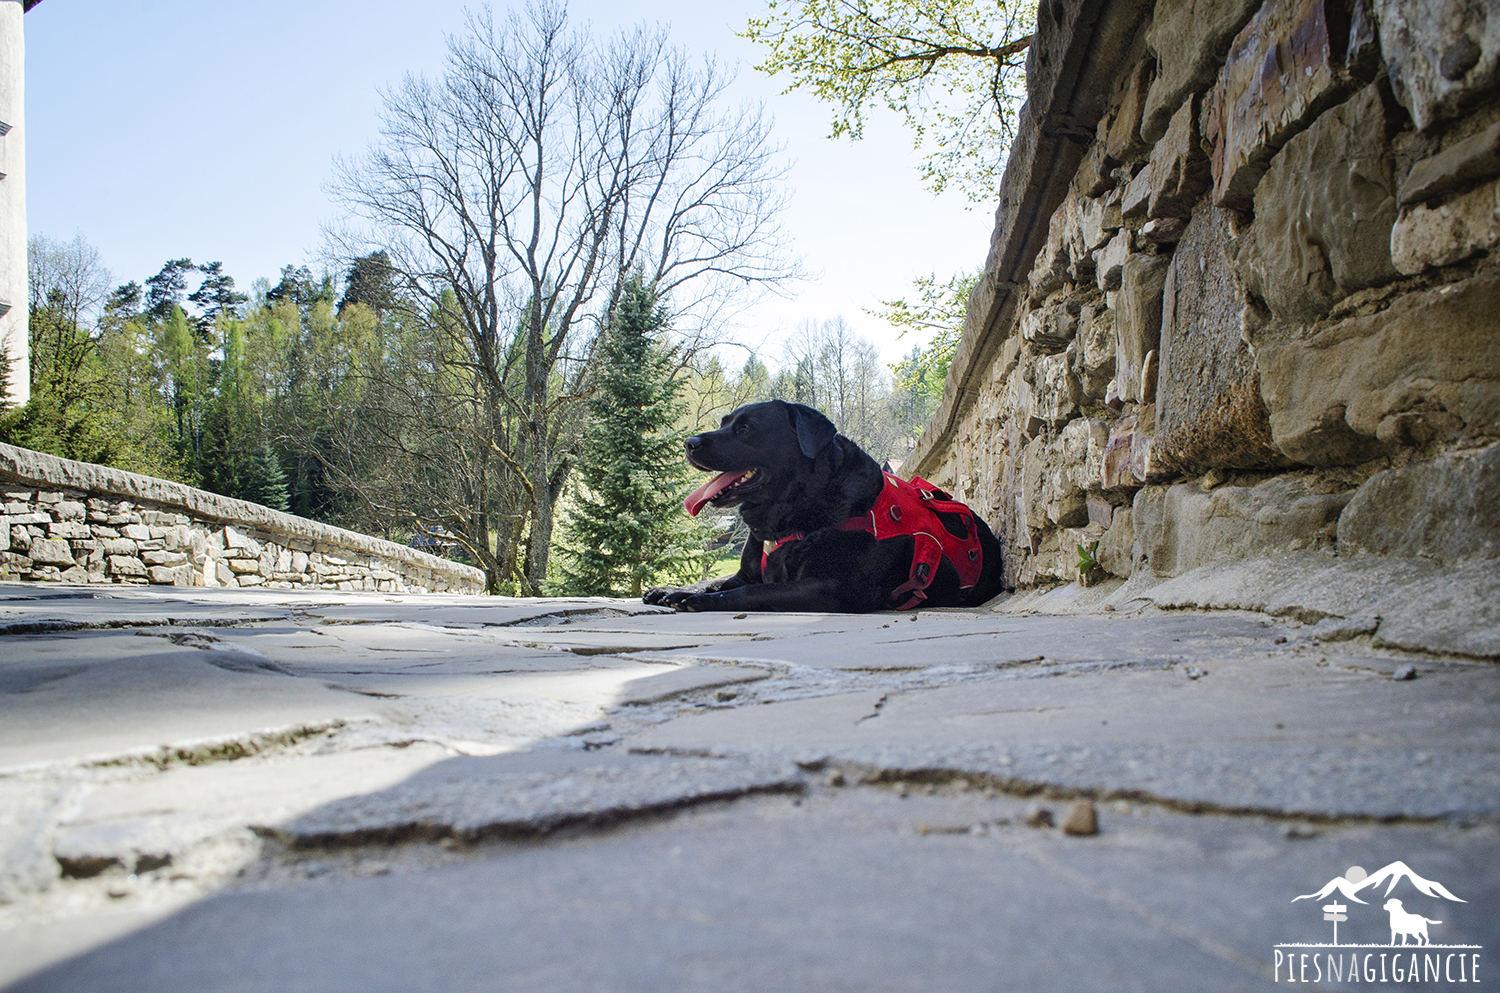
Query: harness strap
(928, 550)
(863, 522)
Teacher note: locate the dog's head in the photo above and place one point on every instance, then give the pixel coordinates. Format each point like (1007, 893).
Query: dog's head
(1392, 904)
(758, 450)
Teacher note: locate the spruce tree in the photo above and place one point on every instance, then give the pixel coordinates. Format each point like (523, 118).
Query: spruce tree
(628, 529)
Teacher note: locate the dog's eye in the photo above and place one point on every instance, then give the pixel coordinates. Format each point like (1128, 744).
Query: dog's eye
(740, 430)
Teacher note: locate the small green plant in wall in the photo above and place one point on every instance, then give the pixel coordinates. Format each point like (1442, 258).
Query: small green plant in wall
(1089, 571)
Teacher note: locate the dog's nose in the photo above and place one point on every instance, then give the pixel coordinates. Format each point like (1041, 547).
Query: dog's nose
(693, 443)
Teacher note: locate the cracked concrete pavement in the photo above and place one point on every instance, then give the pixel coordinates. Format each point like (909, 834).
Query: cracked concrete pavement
(253, 790)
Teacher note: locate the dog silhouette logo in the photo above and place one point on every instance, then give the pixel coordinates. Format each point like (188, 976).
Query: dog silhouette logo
(1365, 955)
(1405, 924)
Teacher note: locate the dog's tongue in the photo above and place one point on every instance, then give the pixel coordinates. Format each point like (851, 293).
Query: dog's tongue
(711, 489)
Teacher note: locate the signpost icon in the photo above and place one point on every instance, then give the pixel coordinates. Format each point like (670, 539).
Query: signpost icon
(1335, 912)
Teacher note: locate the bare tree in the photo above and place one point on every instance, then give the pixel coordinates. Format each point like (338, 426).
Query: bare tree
(69, 278)
(514, 193)
(840, 373)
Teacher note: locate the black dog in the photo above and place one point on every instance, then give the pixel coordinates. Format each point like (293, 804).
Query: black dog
(828, 530)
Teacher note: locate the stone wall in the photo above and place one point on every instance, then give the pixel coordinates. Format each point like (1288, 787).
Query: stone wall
(74, 522)
(1243, 295)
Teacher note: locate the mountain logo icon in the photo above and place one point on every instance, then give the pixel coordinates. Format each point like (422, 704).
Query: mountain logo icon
(1355, 880)
(1410, 951)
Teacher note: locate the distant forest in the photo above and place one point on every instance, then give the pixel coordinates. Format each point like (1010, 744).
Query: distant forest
(330, 396)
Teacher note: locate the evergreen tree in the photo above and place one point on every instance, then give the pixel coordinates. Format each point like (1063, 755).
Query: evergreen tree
(628, 530)
(216, 295)
(371, 280)
(165, 289)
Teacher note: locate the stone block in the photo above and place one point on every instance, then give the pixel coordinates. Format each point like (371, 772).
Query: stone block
(299, 561)
(1101, 511)
(48, 551)
(1068, 507)
(1054, 393)
(1120, 129)
(1095, 172)
(1094, 354)
(118, 546)
(251, 579)
(1118, 469)
(1098, 220)
(1443, 55)
(1137, 319)
(1285, 514)
(1179, 169)
(136, 532)
(49, 497)
(1323, 214)
(1446, 509)
(1116, 545)
(1426, 368)
(163, 575)
(243, 567)
(235, 541)
(1282, 71)
(4, 539)
(1084, 441)
(69, 530)
(1209, 410)
(1049, 328)
(1063, 237)
(164, 558)
(126, 565)
(1459, 227)
(1190, 39)
(1164, 230)
(20, 538)
(1135, 199)
(77, 574)
(69, 510)
(1475, 157)
(15, 519)
(1109, 261)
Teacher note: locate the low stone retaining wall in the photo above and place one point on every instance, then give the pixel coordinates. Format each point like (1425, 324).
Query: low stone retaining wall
(74, 522)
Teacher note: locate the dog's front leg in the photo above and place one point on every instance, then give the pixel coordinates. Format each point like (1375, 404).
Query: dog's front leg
(816, 595)
(671, 596)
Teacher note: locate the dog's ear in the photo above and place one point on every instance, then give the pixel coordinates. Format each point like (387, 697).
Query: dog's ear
(814, 431)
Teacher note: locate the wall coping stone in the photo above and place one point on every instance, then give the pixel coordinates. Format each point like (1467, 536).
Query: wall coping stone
(1077, 49)
(38, 470)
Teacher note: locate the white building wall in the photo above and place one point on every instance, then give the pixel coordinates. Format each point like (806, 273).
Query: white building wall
(13, 199)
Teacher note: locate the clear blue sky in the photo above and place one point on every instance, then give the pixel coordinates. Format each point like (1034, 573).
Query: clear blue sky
(167, 128)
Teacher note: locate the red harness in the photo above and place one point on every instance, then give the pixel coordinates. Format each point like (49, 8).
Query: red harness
(909, 508)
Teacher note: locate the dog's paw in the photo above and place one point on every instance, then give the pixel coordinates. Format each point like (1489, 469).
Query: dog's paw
(666, 596)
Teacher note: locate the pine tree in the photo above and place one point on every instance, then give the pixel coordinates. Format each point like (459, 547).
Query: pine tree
(628, 529)
(264, 481)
